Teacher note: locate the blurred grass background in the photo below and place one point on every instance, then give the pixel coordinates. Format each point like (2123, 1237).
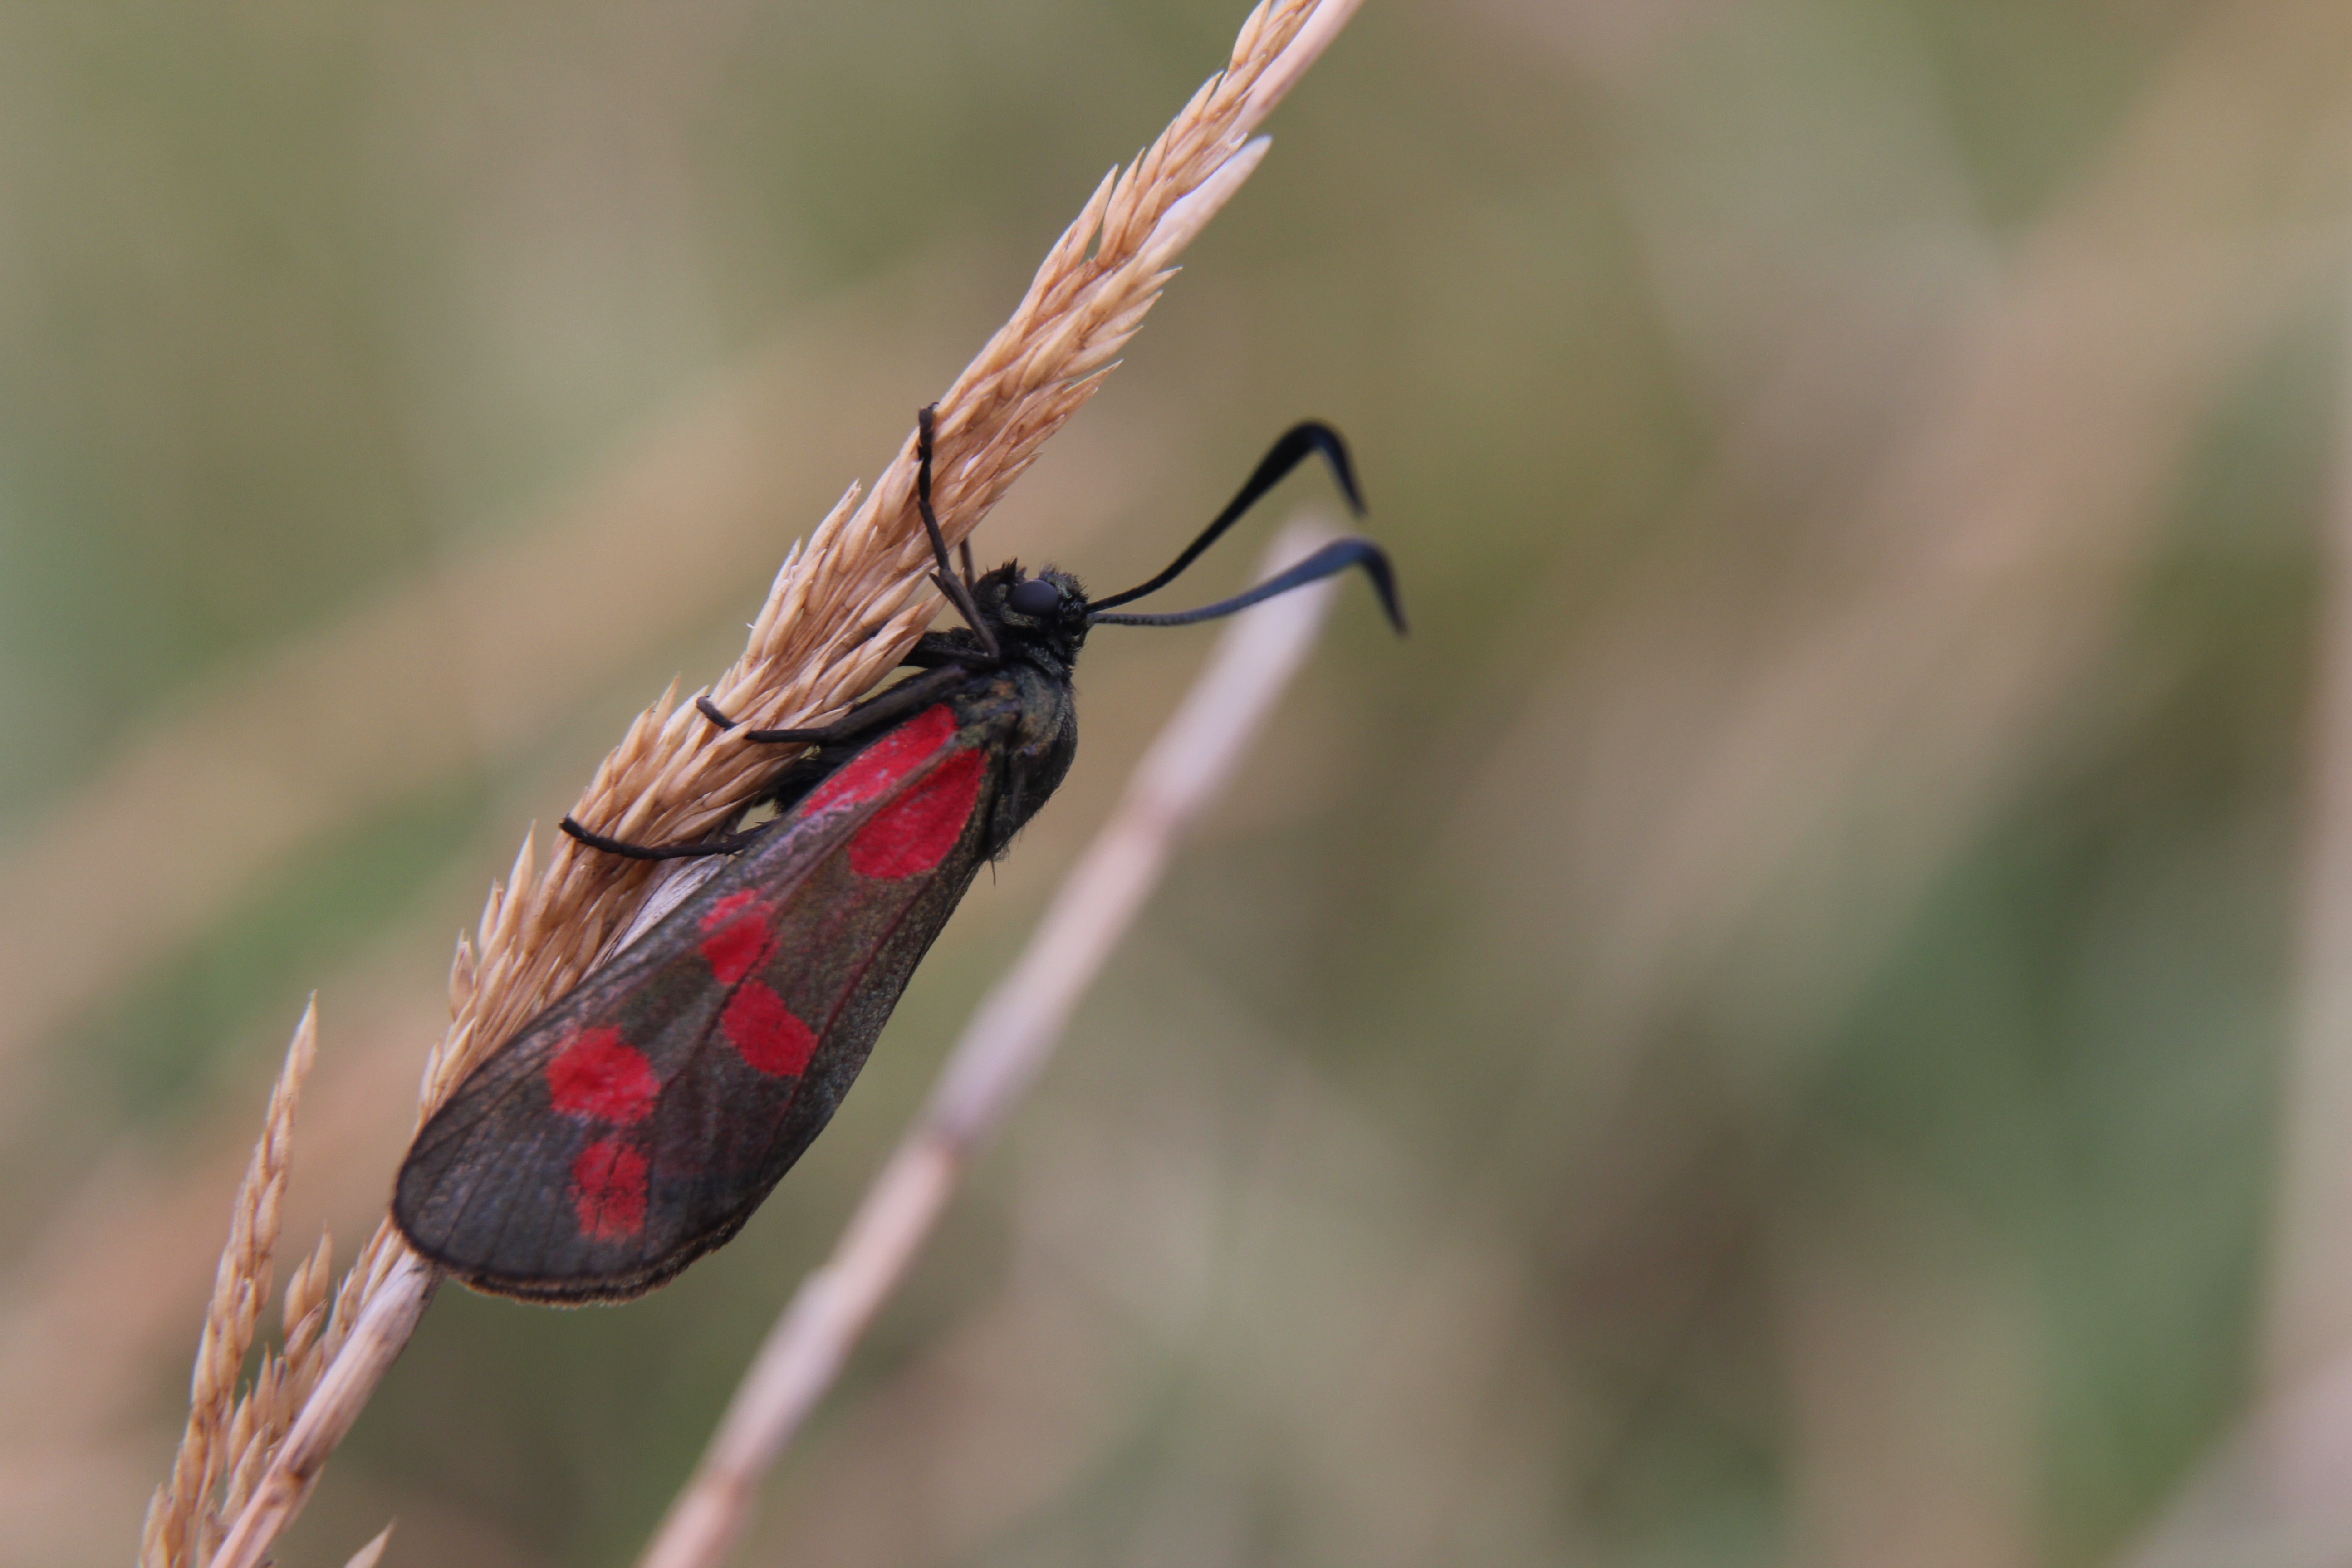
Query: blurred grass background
(1787, 1024)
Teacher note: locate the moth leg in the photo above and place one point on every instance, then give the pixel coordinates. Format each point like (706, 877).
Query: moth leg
(907, 697)
(933, 649)
(902, 698)
(957, 592)
(725, 843)
(947, 657)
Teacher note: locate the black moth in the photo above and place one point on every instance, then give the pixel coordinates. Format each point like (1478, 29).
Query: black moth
(638, 1122)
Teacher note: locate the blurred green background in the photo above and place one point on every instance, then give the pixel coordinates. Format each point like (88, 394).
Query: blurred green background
(1787, 1024)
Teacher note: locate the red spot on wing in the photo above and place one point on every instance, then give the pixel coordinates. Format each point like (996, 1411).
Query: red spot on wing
(594, 1074)
(887, 760)
(740, 940)
(608, 1190)
(915, 834)
(766, 1034)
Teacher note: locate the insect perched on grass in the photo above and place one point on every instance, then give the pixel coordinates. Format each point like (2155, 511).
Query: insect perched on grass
(638, 1122)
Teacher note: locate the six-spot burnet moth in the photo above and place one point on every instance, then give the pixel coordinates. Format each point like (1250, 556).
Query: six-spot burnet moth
(638, 1122)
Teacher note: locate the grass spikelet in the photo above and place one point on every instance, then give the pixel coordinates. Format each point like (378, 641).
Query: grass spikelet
(284, 1380)
(182, 1522)
(368, 1556)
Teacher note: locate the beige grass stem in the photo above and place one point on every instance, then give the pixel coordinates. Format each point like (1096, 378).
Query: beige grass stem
(1007, 1042)
(844, 608)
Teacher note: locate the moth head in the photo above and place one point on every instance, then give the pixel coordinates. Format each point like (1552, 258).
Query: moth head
(1047, 609)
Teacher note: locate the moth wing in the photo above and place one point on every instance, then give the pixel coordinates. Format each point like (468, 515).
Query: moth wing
(638, 1122)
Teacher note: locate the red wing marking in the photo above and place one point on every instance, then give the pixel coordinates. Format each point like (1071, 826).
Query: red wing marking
(887, 761)
(914, 835)
(608, 1190)
(740, 940)
(766, 1034)
(593, 1074)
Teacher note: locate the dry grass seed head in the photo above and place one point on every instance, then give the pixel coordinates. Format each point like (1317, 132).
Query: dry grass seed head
(181, 1518)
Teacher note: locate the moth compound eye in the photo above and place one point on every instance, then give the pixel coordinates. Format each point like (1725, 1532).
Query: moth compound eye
(1035, 599)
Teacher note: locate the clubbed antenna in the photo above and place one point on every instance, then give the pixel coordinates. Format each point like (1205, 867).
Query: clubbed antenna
(1333, 558)
(1297, 445)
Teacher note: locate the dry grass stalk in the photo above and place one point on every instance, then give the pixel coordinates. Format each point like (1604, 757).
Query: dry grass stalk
(223, 1434)
(844, 608)
(1002, 1048)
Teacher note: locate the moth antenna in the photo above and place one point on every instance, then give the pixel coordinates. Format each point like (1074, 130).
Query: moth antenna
(1333, 558)
(1297, 445)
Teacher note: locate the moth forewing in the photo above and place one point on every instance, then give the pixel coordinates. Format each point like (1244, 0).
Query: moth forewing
(638, 1122)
